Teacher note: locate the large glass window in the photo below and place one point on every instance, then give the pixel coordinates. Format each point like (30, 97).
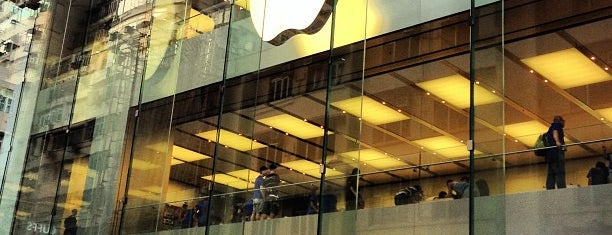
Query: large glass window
(385, 118)
(202, 117)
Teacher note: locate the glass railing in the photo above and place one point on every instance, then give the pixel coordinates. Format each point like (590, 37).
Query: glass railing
(420, 193)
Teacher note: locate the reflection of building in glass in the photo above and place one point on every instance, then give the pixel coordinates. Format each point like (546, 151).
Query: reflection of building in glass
(151, 116)
(16, 30)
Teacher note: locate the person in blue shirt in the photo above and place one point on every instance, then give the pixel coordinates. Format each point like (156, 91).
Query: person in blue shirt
(257, 198)
(188, 219)
(555, 157)
(313, 201)
(201, 212)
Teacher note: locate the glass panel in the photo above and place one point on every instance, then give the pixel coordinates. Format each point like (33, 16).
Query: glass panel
(487, 74)
(18, 41)
(42, 164)
(67, 163)
(537, 89)
(346, 104)
(158, 30)
(169, 160)
(56, 96)
(56, 170)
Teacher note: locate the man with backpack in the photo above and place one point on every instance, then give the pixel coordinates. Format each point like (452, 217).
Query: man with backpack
(555, 157)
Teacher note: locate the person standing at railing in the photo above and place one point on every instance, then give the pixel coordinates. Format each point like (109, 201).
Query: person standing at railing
(353, 199)
(555, 157)
(269, 191)
(257, 198)
(313, 201)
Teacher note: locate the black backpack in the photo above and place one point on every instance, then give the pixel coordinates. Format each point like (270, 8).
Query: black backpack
(406, 196)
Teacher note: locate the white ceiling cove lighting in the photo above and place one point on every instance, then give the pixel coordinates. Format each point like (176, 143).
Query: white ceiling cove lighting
(525, 132)
(229, 180)
(310, 168)
(567, 68)
(374, 158)
(185, 155)
(445, 146)
(455, 90)
(231, 140)
(370, 110)
(293, 126)
(272, 17)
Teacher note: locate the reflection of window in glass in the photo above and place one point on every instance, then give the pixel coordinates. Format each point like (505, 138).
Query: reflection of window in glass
(2, 103)
(9, 102)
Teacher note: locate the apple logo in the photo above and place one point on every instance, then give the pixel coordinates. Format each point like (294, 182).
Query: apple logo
(278, 20)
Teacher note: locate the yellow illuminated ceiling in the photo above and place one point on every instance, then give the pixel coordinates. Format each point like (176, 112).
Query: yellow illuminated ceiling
(370, 110)
(526, 132)
(310, 168)
(245, 174)
(229, 180)
(293, 126)
(606, 113)
(143, 165)
(374, 158)
(364, 155)
(231, 140)
(185, 155)
(196, 24)
(445, 146)
(567, 68)
(455, 90)
(175, 161)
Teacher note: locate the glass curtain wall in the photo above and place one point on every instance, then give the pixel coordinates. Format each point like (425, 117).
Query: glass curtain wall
(163, 116)
(369, 101)
(159, 116)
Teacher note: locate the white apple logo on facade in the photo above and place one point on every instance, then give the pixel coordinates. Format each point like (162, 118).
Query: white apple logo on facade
(277, 20)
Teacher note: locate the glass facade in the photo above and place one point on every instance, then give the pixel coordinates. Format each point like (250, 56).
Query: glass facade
(368, 116)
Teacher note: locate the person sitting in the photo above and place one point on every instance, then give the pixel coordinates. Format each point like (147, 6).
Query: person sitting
(460, 189)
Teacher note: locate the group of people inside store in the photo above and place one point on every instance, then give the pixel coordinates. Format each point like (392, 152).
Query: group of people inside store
(265, 203)
(455, 189)
(555, 159)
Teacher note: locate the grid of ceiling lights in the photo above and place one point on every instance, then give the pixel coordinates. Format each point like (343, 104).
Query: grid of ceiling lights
(379, 113)
(570, 68)
(566, 68)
